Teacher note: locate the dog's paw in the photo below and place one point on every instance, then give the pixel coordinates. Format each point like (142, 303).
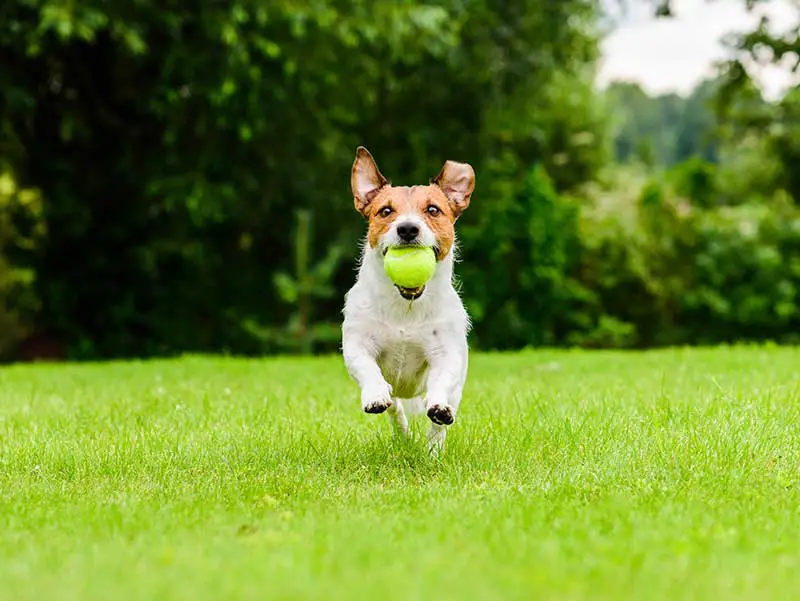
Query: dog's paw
(442, 415)
(378, 406)
(377, 401)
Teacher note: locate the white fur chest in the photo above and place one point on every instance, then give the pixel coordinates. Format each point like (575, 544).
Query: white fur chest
(404, 364)
(404, 335)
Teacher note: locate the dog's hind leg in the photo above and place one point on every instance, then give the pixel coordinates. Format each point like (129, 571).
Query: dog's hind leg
(436, 436)
(438, 430)
(445, 384)
(398, 417)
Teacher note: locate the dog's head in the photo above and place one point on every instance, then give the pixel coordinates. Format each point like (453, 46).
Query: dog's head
(411, 215)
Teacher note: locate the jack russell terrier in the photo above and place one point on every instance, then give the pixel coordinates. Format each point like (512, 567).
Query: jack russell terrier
(407, 349)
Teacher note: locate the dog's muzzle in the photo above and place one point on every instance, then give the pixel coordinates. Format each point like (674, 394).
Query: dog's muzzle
(410, 294)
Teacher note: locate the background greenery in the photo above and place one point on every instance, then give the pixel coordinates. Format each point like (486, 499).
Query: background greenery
(174, 176)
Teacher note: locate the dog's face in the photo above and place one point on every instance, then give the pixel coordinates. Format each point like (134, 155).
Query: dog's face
(411, 215)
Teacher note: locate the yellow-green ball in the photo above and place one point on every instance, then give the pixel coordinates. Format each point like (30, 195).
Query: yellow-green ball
(410, 266)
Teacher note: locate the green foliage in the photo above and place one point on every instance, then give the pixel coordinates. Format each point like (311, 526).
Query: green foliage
(747, 274)
(675, 272)
(310, 282)
(696, 180)
(516, 261)
(775, 124)
(174, 143)
(21, 231)
(663, 130)
(784, 140)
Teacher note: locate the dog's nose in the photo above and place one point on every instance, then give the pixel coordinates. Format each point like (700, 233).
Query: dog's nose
(407, 231)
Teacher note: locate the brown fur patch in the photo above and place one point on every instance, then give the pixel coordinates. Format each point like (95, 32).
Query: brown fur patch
(441, 223)
(381, 203)
(414, 199)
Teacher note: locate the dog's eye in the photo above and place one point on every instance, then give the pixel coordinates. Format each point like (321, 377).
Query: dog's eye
(433, 211)
(385, 211)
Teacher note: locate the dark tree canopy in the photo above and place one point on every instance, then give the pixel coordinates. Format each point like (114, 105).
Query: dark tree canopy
(174, 176)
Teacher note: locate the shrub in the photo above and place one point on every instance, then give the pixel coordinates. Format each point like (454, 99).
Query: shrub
(517, 261)
(696, 180)
(21, 228)
(665, 272)
(746, 281)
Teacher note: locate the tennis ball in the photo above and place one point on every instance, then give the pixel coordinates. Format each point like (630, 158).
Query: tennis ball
(409, 266)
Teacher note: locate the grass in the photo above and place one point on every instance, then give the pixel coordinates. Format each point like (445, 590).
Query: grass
(569, 475)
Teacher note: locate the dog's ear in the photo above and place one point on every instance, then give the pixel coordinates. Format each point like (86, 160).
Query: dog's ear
(457, 181)
(366, 180)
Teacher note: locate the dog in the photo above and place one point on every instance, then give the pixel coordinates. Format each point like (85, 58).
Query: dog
(407, 348)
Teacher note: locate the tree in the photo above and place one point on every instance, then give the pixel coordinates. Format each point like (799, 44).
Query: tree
(173, 142)
(670, 128)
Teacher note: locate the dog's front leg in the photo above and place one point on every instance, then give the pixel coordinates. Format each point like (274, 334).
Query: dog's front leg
(448, 368)
(360, 358)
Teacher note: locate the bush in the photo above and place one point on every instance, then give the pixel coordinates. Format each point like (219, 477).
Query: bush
(665, 272)
(746, 274)
(517, 261)
(21, 229)
(696, 180)
(173, 146)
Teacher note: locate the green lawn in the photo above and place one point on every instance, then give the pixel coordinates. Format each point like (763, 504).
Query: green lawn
(663, 475)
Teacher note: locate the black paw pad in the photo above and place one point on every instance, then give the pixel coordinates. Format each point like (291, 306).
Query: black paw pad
(442, 415)
(378, 407)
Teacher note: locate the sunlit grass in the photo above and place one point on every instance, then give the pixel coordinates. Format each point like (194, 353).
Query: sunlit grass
(663, 475)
